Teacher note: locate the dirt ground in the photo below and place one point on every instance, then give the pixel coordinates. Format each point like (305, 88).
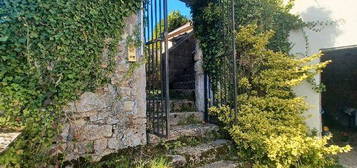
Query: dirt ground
(349, 160)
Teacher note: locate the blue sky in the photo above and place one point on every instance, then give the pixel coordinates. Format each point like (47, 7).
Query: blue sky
(180, 6)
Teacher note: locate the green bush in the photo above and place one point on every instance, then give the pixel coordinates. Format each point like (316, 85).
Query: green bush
(269, 126)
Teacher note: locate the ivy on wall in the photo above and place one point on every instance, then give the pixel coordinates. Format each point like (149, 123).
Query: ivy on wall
(268, 15)
(50, 53)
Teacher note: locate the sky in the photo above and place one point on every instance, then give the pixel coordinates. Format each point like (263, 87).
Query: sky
(179, 6)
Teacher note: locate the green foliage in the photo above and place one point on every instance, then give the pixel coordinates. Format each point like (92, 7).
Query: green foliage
(175, 20)
(269, 127)
(125, 161)
(159, 163)
(207, 20)
(51, 52)
(270, 15)
(209, 16)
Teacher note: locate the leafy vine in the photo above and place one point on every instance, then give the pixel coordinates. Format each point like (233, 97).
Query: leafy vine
(50, 53)
(268, 15)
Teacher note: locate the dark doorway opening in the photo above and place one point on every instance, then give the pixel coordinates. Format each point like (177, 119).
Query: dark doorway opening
(182, 72)
(339, 101)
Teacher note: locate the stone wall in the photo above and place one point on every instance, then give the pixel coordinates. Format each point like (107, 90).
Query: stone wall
(199, 79)
(112, 117)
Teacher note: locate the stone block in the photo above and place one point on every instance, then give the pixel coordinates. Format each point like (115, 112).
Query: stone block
(222, 163)
(177, 160)
(115, 143)
(102, 115)
(95, 132)
(100, 145)
(65, 132)
(128, 106)
(107, 94)
(89, 102)
(112, 120)
(124, 92)
(84, 147)
(88, 105)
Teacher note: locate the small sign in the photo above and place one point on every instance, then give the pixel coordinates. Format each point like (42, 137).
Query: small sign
(131, 53)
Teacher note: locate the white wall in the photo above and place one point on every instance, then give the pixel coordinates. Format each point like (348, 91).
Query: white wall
(339, 34)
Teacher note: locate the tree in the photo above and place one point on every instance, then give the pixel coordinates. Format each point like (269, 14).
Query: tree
(175, 20)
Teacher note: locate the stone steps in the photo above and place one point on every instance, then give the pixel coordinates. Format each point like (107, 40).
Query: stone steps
(182, 94)
(184, 85)
(188, 76)
(178, 105)
(221, 164)
(6, 138)
(184, 118)
(194, 130)
(205, 152)
(182, 105)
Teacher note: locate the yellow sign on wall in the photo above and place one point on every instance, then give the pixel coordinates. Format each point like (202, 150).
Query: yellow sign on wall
(131, 53)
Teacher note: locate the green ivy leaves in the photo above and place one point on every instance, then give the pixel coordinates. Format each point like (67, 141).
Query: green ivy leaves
(50, 52)
(269, 15)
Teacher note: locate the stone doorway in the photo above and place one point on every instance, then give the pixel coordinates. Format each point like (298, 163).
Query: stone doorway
(174, 75)
(186, 80)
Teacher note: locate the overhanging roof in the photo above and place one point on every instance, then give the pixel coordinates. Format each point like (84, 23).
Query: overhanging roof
(189, 2)
(184, 29)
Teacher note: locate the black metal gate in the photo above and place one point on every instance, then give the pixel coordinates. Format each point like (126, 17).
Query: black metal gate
(221, 89)
(157, 75)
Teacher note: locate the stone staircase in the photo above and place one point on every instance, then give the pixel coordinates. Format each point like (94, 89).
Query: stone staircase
(6, 138)
(185, 123)
(211, 151)
(212, 154)
(204, 152)
(185, 80)
(222, 164)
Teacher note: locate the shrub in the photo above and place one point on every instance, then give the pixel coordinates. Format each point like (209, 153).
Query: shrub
(268, 126)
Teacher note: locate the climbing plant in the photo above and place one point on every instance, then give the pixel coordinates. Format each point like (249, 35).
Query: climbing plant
(51, 52)
(208, 17)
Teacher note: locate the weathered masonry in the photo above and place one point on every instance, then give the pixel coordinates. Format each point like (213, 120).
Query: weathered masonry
(157, 92)
(113, 117)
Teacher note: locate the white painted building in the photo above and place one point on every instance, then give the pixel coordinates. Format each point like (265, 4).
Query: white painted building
(341, 32)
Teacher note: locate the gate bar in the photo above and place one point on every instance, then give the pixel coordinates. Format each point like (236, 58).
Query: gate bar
(167, 94)
(234, 57)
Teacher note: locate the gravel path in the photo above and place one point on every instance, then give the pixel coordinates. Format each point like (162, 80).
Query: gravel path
(349, 160)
